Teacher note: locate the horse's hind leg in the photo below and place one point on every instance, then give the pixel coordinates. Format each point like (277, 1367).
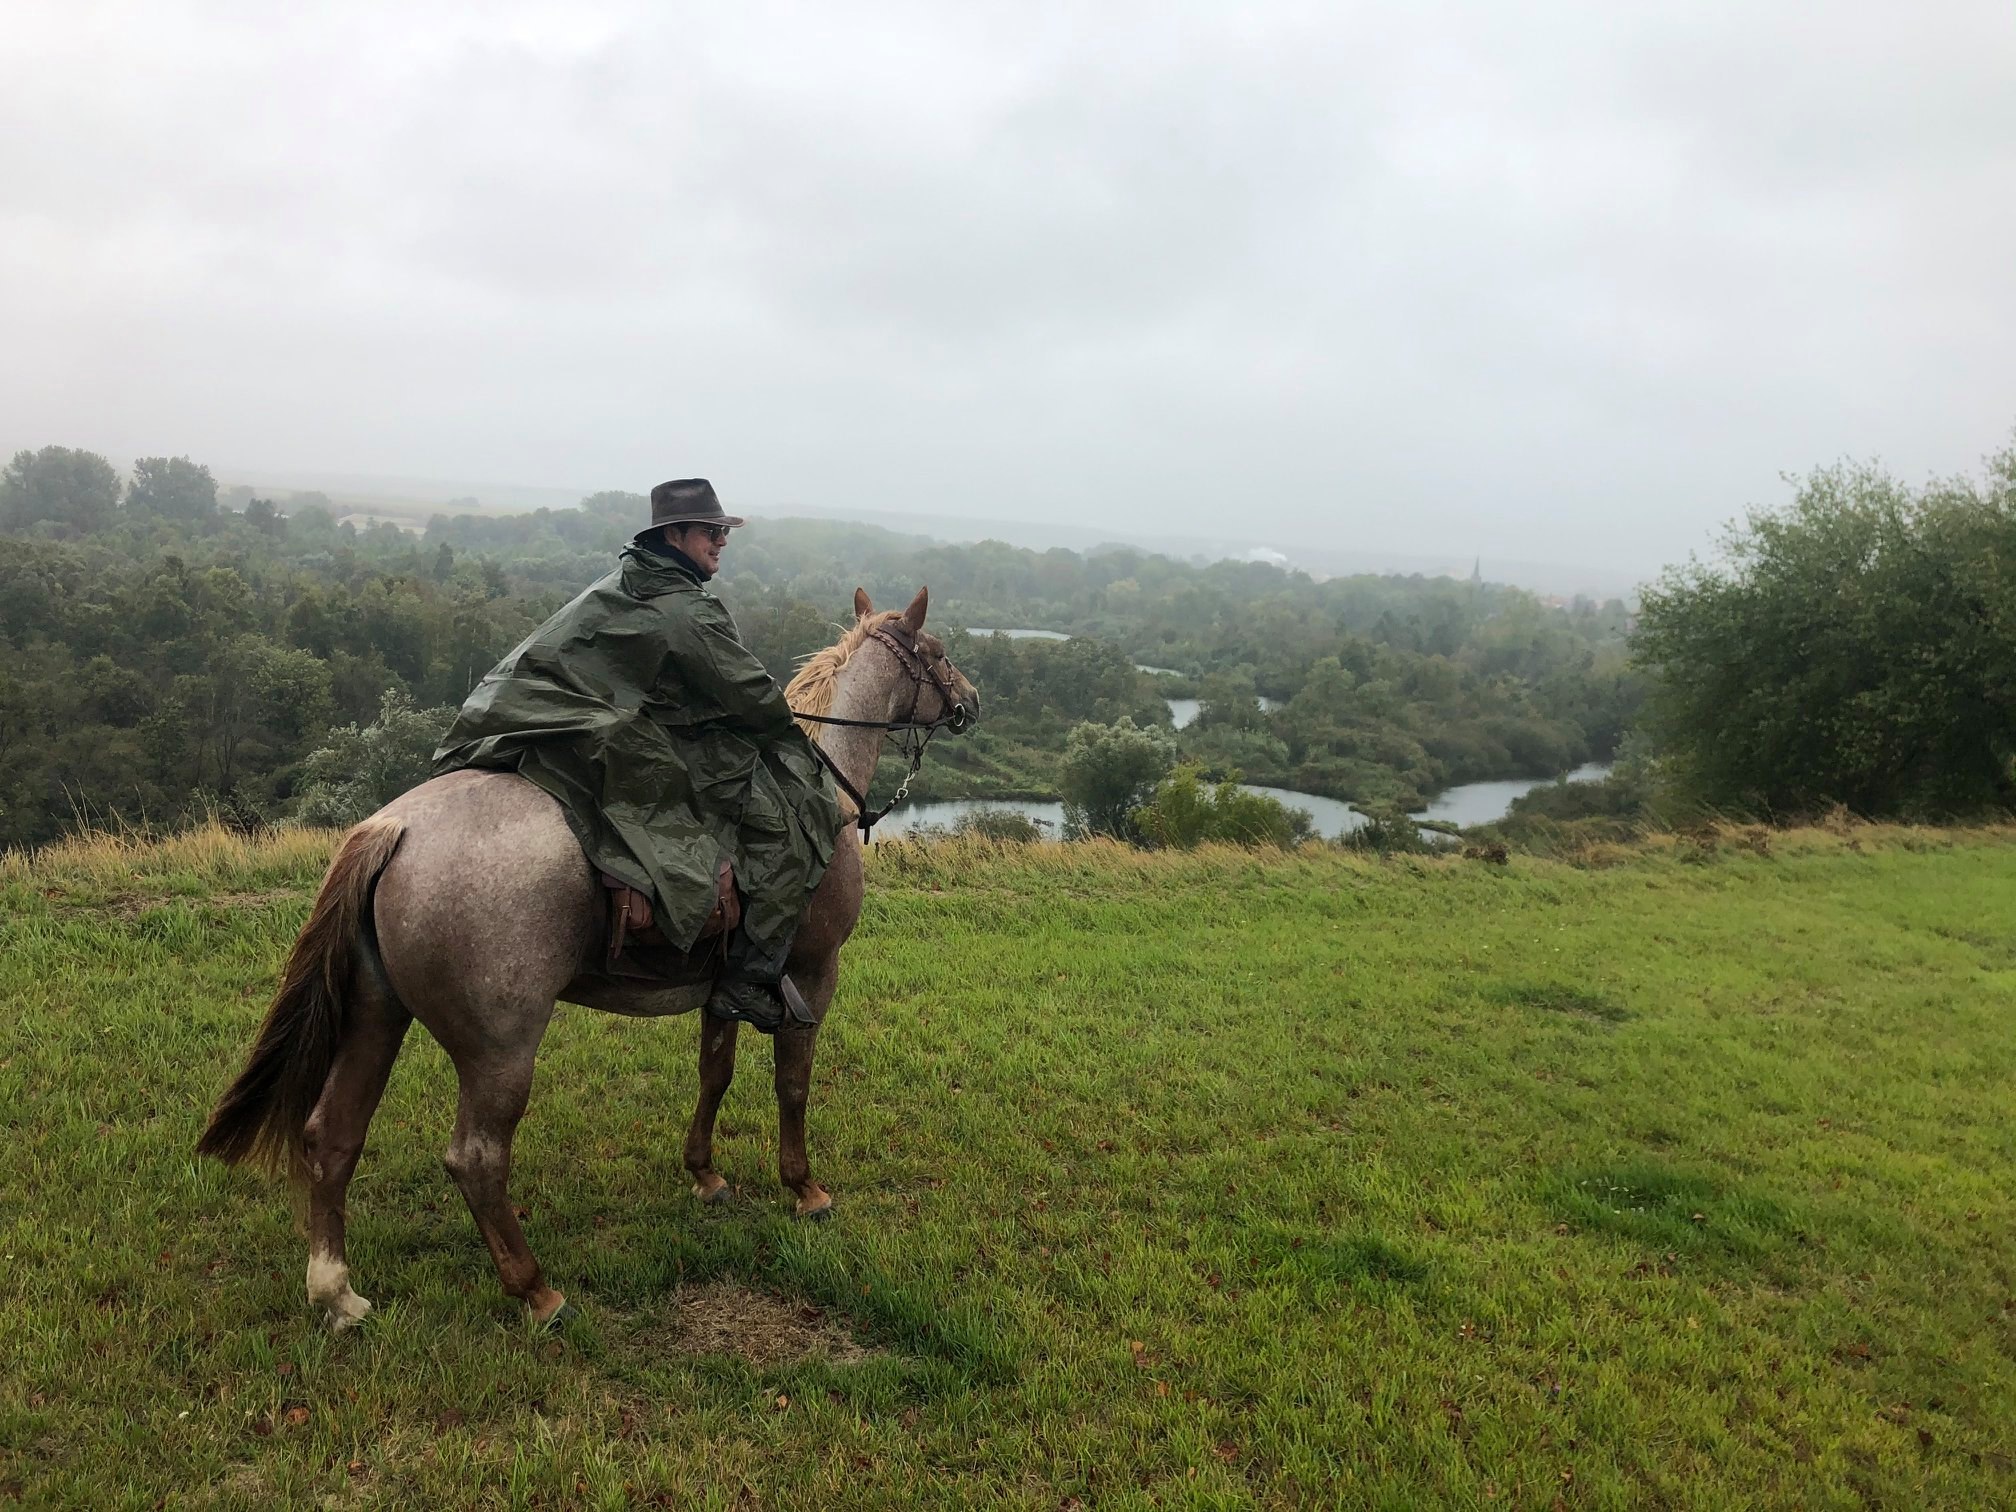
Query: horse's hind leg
(494, 1094)
(333, 1140)
(717, 1070)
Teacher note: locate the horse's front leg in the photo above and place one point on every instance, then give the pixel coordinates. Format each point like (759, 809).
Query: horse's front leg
(794, 1046)
(794, 1089)
(717, 1070)
(815, 966)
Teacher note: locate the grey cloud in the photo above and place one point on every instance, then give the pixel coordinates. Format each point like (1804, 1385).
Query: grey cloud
(1565, 281)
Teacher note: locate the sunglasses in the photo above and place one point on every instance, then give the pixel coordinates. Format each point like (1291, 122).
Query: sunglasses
(715, 533)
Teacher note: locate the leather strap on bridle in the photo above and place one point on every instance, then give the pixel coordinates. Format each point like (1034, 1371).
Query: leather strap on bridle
(954, 716)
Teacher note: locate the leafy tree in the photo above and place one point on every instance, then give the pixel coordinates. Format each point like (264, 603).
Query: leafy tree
(172, 488)
(1856, 647)
(114, 695)
(1227, 700)
(1222, 750)
(1107, 772)
(75, 489)
(364, 768)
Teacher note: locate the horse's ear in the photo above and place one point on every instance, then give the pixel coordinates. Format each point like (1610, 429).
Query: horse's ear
(913, 617)
(863, 605)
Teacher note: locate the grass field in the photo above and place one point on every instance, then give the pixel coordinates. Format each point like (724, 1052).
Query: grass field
(1206, 1180)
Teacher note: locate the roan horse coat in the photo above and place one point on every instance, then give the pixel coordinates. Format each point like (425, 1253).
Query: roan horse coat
(468, 904)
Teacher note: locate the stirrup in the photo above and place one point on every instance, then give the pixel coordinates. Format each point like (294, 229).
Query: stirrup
(763, 1006)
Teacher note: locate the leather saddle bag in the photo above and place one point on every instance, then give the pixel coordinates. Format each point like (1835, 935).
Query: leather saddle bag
(630, 916)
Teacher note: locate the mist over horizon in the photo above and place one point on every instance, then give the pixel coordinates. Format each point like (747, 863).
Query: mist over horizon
(414, 500)
(1562, 286)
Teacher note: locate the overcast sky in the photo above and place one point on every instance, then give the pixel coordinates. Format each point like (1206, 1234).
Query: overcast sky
(1561, 281)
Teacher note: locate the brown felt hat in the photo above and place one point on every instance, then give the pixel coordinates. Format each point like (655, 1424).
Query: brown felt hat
(687, 501)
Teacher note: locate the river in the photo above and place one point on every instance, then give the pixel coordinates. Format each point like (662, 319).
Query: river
(1472, 803)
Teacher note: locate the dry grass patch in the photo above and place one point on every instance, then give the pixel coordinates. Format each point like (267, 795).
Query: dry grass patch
(761, 1328)
(220, 858)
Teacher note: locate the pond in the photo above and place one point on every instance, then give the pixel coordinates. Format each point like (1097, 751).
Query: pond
(1472, 803)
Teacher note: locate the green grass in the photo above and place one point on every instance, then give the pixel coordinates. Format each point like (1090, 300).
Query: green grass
(1211, 1180)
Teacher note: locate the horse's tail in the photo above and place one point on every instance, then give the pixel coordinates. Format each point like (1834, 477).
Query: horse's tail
(264, 1113)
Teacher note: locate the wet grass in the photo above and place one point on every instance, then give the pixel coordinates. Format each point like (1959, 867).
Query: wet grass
(1680, 1178)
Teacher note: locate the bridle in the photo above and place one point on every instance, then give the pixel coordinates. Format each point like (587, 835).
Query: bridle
(913, 734)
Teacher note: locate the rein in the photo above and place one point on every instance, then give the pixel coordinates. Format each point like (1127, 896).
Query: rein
(912, 742)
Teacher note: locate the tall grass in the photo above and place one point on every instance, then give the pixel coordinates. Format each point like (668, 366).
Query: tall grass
(202, 856)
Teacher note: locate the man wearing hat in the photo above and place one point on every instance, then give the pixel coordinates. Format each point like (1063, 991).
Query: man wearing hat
(671, 750)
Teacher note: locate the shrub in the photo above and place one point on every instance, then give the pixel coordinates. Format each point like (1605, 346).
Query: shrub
(1388, 831)
(1107, 772)
(1856, 647)
(1186, 812)
(363, 768)
(1002, 824)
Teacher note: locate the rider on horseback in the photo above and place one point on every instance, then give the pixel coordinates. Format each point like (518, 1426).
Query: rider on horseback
(672, 751)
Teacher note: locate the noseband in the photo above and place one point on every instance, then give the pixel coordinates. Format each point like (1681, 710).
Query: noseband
(914, 734)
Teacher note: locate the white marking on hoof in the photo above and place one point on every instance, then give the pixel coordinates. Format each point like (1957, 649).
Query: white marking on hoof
(329, 1289)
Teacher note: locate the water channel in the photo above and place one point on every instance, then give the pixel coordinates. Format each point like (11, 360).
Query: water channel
(1471, 803)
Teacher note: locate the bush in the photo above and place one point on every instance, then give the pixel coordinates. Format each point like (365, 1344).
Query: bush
(1387, 832)
(1857, 647)
(364, 768)
(1003, 824)
(1107, 772)
(1187, 812)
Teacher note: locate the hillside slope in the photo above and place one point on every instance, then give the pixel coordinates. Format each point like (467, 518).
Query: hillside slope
(1198, 1180)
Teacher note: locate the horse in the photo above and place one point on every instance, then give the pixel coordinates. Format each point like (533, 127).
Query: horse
(468, 903)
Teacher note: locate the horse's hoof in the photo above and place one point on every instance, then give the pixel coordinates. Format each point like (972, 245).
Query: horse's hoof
(557, 1319)
(816, 1209)
(711, 1189)
(346, 1312)
(559, 1310)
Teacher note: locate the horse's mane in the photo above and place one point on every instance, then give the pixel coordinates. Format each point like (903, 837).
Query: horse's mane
(810, 691)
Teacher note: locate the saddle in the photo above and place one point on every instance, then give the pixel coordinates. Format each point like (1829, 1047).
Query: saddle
(630, 916)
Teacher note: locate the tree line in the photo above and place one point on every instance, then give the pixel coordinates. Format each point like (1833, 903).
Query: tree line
(170, 647)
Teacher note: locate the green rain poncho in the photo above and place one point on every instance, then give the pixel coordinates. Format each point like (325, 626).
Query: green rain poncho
(668, 744)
